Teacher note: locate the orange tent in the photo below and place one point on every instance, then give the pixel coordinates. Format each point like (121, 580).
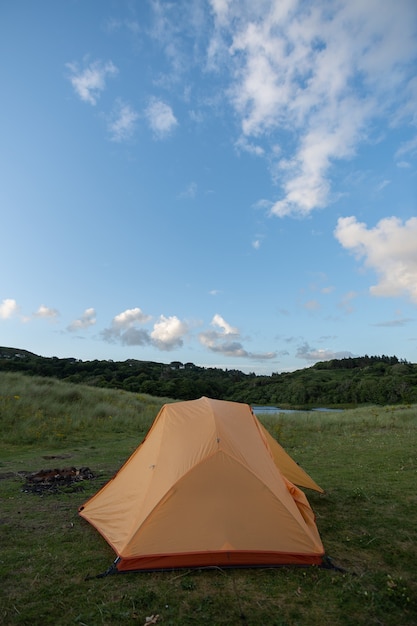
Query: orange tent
(208, 486)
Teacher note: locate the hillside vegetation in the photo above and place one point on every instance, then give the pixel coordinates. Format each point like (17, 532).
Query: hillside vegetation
(364, 458)
(347, 382)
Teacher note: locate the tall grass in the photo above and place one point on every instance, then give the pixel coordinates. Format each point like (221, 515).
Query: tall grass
(361, 418)
(35, 410)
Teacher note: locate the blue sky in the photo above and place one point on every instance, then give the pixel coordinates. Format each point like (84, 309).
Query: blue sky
(228, 183)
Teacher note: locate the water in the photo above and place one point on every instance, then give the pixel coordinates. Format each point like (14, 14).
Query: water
(271, 409)
(274, 409)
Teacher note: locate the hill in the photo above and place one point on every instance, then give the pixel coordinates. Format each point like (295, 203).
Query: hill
(348, 382)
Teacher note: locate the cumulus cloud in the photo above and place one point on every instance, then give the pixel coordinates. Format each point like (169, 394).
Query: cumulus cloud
(128, 337)
(45, 312)
(168, 333)
(126, 328)
(389, 249)
(225, 339)
(8, 308)
(161, 118)
(122, 121)
(89, 82)
(308, 353)
(314, 75)
(123, 328)
(129, 318)
(87, 319)
(226, 329)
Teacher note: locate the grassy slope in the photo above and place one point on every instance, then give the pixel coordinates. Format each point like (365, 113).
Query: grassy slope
(365, 459)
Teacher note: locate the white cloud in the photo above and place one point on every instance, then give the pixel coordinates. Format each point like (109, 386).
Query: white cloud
(122, 122)
(123, 328)
(89, 82)
(389, 249)
(168, 333)
(242, 144)
(8, 308)
(129, 318)
(223, 340)
(177, 28)
(317, 75)
(226, 341)
(161, 118)
(221, 9)
(87, 319)
(167, 22)
(46, 312)
(305, 351)
(223, 325)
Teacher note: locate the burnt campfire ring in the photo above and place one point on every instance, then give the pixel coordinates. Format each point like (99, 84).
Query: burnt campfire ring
(53, 480)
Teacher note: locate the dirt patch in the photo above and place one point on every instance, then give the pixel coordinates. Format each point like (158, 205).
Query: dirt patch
(57, 480)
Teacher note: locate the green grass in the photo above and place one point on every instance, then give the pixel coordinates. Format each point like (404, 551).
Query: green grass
(365, 459)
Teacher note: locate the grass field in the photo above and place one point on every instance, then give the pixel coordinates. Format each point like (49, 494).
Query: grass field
(365, 459)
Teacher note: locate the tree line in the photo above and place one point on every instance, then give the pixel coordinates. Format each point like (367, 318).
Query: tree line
(339, 382)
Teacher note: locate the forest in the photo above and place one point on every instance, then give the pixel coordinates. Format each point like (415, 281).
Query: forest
(340, 382)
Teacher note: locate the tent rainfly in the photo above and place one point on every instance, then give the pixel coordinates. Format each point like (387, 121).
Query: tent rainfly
(208, 486)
